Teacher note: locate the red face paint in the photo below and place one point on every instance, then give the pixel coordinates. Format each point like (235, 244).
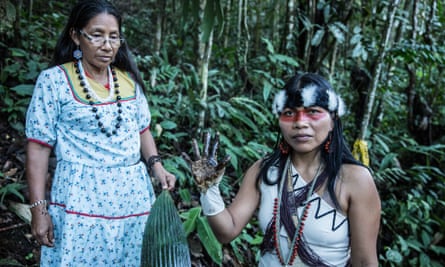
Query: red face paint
(303, 114)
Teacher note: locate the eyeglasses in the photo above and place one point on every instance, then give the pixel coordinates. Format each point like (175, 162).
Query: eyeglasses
(99, 40)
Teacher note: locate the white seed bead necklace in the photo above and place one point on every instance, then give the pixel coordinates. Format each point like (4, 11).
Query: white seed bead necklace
(90, 93)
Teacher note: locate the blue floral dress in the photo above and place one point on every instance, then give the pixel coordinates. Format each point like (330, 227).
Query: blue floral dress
(101, 193)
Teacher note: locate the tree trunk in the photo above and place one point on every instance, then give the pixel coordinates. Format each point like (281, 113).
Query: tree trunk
(242, 40)
(377, 72)
(204, 52)
(160, 6)
(290, 23)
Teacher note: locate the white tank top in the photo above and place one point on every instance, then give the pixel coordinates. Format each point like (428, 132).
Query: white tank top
(326, 230)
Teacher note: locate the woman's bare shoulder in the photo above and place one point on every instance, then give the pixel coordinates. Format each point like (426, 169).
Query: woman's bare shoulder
(253, 171)
(357, 180)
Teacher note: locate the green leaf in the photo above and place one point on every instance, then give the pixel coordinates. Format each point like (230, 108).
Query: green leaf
(424, 260)
(168, 125)
(438, 249)
(235, 113)
(164, 241)
(208, 239)
(357, 51)
(213, 16)
(387, 161)
(337, 32)
(393, 256)
(23, 89)
(403, 244)
(17, 52)
(284, 59)
(416, 245)
(426, 238)
(12, 188)
(191, 218)
(356, 38)
(267, 88)
(318, 36)
(255, 108)
(185, 195)
(269, 46)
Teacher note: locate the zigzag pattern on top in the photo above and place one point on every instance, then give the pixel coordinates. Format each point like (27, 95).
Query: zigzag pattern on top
(319, 215)
(318, 199)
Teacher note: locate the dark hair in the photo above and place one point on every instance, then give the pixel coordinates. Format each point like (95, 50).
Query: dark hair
(338, 153)
(80, 15)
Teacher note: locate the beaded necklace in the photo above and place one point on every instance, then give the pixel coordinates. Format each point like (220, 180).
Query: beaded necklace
(300, 225)
(90, 94)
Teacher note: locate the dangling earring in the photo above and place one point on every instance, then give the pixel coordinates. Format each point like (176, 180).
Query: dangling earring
(284, 148)
(77, 54)
(327, 145)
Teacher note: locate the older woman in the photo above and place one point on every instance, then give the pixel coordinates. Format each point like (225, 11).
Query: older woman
(90, 108)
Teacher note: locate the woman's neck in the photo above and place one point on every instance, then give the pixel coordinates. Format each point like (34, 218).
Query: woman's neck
(307, 164)
(100, 75)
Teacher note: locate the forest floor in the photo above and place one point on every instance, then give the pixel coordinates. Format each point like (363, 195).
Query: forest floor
(17, 247)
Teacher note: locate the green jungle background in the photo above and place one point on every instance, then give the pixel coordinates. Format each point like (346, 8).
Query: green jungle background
(215, 65)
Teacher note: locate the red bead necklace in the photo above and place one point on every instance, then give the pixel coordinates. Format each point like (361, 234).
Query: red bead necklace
(300, 225)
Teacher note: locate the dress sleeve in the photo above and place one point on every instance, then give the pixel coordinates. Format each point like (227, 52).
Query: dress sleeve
(144, 115)
(43, 111)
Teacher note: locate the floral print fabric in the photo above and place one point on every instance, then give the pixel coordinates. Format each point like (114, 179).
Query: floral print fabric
(101, 192)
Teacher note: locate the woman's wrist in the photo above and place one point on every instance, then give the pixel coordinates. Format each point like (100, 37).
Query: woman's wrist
(211, 200)
(39, 207)
(41, 202)
(151, 161)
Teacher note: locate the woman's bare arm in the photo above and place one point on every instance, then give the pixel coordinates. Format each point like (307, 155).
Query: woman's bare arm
(37, 159)
(229, 223)
(364, 209)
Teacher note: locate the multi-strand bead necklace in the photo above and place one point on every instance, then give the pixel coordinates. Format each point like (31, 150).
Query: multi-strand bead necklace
(90, 94)
(300, 225)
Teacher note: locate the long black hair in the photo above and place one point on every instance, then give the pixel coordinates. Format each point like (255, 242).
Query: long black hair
(338, 153)
(80, 15)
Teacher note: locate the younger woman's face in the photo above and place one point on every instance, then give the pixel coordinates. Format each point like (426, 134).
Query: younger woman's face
(305, 128)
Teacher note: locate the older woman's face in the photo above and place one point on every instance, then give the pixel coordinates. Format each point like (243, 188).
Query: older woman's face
(305, 128)
(98, 56)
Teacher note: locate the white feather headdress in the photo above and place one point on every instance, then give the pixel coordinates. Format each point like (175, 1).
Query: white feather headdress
(310, 96)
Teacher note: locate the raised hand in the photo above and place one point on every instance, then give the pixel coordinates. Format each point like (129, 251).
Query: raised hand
(205, 168)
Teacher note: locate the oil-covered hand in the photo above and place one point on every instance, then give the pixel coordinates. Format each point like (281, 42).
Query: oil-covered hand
(205, 168)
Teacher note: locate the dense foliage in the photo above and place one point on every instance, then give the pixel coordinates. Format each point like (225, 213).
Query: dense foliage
(215, 65)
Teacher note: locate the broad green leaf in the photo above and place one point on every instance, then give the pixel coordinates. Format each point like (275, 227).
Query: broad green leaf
(17, 52)
(357, 51)
(12, 188)
(416, 245)
(269, 46)
(208, 239)
(185, 195)
(318, 36)
(23, 89)
(426, 238)
(337, 32)
(164, 241)
(168, 125)
(191, 218)
(267, 88)
(285, 59)
(424, 260)
(393, 256)
(438, 249)
(403, 243)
